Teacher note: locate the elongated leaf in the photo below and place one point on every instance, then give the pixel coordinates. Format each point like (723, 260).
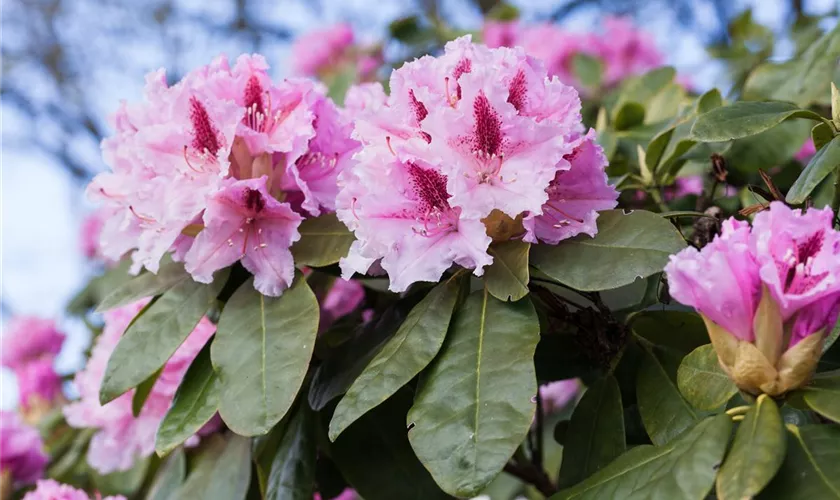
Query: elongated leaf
(640, 241)
(231, 472)
(143, 391)
(664, 412)
(756, 454)
(679, 332)
(685, 468)
(375, 457)
(507, 278)
(410, 350)
(145, 285)
(150, 341)
(743, 119)
(324, 240)
(474, 405)
(823, 396)
(202, 468)
(821, 134)
(195, 403)
(595, 436)
(811, 468)
(629, 115)
(701, 380)
(709, 101)
(293, 468)
(261, 354)
(824, 162)
(169, 477)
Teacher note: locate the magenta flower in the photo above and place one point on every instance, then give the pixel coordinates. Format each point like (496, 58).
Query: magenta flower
(320, 49)
(28, 339)
(625, 50)
(244, 222)
(51, 490)
(496, 34)
(38, 385)
(343, 298)
(347, 494)
(22, 454)
(806, 151)
(574, 196)
(556, 395)
(121, 438)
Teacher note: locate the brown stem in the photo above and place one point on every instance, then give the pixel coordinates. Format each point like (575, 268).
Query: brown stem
(531, 475)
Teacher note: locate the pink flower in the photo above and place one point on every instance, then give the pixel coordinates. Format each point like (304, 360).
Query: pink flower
(347, 494)
(27, 339)
(626, 50)
(574, 196)
(806, 151)
(342, 299)
(121, 438)
(51, 490)
(90, 231)
(688, 185)
(320, 49)
(496, 34)
(38, 384)
(21, 450)
(556, 395)
(244, 222)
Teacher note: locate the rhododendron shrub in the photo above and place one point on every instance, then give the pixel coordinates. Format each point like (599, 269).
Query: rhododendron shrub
(530, 263)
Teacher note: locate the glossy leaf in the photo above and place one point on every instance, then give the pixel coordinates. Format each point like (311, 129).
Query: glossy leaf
(822, 395)
(169, 477)
(811, 468)
(595, 435)
(474, 407)
(684, 468)
(629, 115)
(151, 339)
(232, 471)
(194, 404)
(821, 134)
(507, 278)
(141, 394)
(324, 240)
(702, 381)
(756, 454)
(202, 468)
(293, 468)
(403, 356)
(679, 332)
(664, 412)
(627, 247)
(261, 354)
(823, 163)
(743, 119)
(144, 285)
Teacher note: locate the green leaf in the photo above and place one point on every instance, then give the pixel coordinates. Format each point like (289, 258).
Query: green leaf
(375, 457)
(341, 79)
(126, 482)
(664, 412)
(474, 407)
(151, 339)
(293, 468)
(169, 477)
(640, 241)
(656, 148)
(202, 466)
(231, 472)
(195, 403)
(835, 104)
(756, 454)
(821, 134)
(403, 356)
(324, 240)
(141, 394)
(589, 70)
(685, 468)
(679, 332)
(767, 149)
(822, 395)
(642, 89)
(824, 162)
(811, 468)
(629, 115)
(743, 119)
(709, 101)
(507, 278)
(702, 381)
(666, 104)
(595, 435)
(145, 285)
(261, 354)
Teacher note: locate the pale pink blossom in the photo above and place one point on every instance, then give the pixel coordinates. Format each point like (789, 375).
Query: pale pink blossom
(121, 438)
(38, 384)
(625, 50)
(21, 450)
(90, 231)
(320, 49)
(29, 338)
(556, 395)
(244, 222)
(49, 489)
(806, 152)
(496, 34)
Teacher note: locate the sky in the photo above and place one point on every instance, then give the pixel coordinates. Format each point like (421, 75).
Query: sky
(41, 206)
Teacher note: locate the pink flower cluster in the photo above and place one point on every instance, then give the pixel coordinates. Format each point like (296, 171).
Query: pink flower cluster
(22, 454)
(623, 49)
(476, 133)
(51, 490)
(221, 167)
(121, 437)
(29, 348)
(324, 50)
(556, 395)
(342, 299)
(794, 255)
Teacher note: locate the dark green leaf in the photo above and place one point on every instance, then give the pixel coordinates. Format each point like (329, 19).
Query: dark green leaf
(261, 354)
(126, 483)
(765, 150)
(709, 101)
(141, 394)
(195, 403)
(756, 454)
(474, 406)
(743, 119)
(293, 469)
(656, 148)
(677, 331)
(684, 468)
(324, 240)
(664, 411)
(811, 469)
(202, 468)
(595, 435)
(701, 380)
(169, 477)
(821, 134)
(822, 395)
(640, 241)
(823, 163)
(150, 340)
(629, 115)
(507, 278)
(145, 285)
(403, 356)
(231, 472)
